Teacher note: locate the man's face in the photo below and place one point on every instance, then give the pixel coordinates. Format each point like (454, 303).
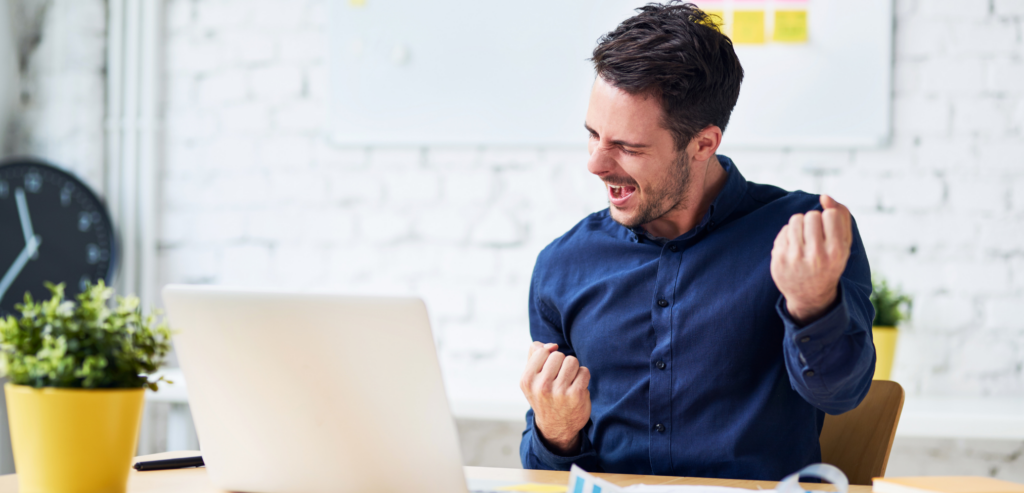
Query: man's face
(634, 155)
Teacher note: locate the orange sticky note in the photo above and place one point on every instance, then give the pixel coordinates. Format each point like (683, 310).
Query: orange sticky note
(748, 27)
(790, 26)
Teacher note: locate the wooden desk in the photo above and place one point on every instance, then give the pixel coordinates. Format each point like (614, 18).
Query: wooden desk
(194, 480)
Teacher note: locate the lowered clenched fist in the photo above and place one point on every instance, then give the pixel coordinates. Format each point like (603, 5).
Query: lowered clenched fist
(556, 386)
(809, 256)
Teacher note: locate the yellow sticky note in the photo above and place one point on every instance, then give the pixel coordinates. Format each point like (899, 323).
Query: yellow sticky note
(357, 3)
(790, 26)
(718, 17)
(748, 27)
(536, 488)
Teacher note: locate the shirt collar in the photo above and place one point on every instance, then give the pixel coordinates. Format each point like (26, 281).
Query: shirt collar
(723, 205)
(727, 199)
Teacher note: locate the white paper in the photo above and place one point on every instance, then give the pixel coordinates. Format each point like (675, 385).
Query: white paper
(581, 481)
(687, 488)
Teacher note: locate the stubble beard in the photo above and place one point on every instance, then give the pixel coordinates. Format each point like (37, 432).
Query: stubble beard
(659, 200)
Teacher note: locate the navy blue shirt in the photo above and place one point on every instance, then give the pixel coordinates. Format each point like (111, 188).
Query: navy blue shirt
(696, 367)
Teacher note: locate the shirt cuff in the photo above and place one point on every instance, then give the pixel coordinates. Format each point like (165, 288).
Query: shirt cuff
(813, 337)
(560, 462)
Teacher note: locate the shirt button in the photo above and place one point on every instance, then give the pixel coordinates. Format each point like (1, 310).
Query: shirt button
(660, 428)
(673, 248)
(805, 339)
(662, 303)
(660, 364)
(809, 373)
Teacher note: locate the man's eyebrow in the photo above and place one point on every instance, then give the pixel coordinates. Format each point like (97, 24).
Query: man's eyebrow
(616, 142)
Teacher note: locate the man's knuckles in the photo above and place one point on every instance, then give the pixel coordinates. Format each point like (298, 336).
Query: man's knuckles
(831, 218)
(579, 393)
(835, 251)
(583, 377)
(542, 386)
(529, 385)
(792, 255)
(553, 363)
(812, 219)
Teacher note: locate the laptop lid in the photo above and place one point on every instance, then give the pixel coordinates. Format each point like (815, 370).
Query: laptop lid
(314, 392)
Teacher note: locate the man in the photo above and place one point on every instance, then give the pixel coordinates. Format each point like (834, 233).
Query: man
(702, 325)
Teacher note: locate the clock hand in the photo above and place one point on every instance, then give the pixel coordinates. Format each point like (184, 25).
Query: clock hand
(26, 222)
(19, 264)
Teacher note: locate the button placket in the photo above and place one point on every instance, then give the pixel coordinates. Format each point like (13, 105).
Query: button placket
(661, 378)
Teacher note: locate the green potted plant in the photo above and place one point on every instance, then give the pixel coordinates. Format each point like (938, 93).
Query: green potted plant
(78, 372)
(891, 307)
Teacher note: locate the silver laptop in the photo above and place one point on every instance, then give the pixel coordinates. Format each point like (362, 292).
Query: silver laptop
(314, 392)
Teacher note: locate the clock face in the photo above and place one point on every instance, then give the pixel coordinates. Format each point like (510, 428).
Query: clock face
(52, 228)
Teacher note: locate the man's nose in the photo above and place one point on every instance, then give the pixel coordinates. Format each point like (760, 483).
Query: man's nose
(600, 162)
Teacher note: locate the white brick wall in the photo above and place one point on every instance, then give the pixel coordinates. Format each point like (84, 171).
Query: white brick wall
(60, 116)
(934, 457)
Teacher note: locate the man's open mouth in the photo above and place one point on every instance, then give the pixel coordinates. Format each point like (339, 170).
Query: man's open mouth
(619, 194)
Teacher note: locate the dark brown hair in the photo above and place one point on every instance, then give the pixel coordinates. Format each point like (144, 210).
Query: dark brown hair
(677, 53)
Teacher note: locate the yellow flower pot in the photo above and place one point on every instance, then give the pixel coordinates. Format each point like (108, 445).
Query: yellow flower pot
(73, 440)
(885, 351)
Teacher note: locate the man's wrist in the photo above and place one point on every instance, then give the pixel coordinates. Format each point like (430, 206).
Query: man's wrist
(807, 313)
(562, 445)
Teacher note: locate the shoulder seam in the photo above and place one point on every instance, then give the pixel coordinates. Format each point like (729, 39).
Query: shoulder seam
(752, 197)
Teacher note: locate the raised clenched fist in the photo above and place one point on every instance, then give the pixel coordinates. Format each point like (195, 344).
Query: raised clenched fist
(556, 386)
(809, 256)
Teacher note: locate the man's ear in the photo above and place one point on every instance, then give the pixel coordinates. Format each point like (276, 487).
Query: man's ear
(705, 143)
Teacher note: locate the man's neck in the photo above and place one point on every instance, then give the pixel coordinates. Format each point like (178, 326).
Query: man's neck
(708, 179)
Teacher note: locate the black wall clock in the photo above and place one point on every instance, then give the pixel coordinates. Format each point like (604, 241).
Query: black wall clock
(52, 228)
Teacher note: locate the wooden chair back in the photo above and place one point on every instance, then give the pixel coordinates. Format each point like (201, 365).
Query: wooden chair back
(858, 441)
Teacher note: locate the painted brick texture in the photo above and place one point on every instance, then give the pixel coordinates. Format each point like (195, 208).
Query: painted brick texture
(59, 116)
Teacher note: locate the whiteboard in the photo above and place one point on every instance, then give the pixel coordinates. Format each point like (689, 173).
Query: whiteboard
(488, 72)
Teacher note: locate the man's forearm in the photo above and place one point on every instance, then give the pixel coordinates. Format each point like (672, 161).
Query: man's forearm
(536, 454)
(565, 445)
(806, 312)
